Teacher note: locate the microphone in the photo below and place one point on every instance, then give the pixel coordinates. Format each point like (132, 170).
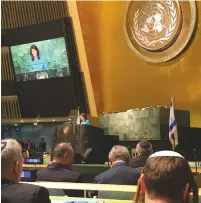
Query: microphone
(36, 120)
(38, 116)
(195, 158)
(78, 115)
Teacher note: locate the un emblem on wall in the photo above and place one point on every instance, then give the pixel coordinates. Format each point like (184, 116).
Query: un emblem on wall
(156, 24)
(159, 30)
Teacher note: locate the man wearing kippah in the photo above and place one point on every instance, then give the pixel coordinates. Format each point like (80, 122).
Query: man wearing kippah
(143, 151)
(166, 178)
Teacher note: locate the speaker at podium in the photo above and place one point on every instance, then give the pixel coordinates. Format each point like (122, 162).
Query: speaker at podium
(87, 141)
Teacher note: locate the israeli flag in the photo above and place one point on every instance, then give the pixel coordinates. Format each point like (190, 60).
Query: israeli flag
(173, 135)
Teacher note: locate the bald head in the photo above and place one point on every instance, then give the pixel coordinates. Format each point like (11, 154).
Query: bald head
(64, 153)
(11, 159)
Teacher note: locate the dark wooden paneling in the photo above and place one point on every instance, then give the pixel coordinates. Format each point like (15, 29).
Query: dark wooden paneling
(19, 14)
(23, 13)
(6, 67)
(10, 108)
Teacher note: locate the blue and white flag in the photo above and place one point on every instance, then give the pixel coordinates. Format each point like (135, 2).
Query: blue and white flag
(173, 135)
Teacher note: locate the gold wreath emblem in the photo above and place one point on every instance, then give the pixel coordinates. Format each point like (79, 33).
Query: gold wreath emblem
(143, 39)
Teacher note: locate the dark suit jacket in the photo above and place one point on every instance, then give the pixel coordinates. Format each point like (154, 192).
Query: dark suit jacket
(23, 193)
(60, 173)
(138, 161)
(120, 174)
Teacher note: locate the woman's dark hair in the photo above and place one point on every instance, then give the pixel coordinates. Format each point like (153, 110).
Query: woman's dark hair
(84, 115)
(33, 46)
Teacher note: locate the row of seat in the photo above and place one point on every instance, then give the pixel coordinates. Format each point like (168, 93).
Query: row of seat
(82, 167)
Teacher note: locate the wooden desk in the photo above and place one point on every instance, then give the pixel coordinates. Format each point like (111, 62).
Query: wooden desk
(89, 186)
(86, 186)
(194, 170)
(54, 199)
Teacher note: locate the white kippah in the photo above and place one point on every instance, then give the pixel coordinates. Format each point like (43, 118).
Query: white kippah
(166, 153)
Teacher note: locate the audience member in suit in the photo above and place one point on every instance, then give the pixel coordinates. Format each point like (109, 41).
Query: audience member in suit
(166, 178)
(42, 145)
(119, 173)
(60, 169)
(143, 151)
(11, 168)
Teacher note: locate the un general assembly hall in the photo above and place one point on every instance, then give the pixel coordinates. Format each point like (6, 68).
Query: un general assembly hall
(101, 101)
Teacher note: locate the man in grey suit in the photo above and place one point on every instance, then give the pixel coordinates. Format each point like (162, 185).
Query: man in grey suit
(120, 173)
(11, 168)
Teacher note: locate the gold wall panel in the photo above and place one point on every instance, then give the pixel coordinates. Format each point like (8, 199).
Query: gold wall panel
(87, 82)
(121, 80)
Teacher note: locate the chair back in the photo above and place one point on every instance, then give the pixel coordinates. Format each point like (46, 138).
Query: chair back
(56, 192)
(140, 169)
(198, 180)
(116, 195)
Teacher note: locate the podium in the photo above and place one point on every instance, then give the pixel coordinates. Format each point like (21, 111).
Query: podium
(82, 137)
(141, 124)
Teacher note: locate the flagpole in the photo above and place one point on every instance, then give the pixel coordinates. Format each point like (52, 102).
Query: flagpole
(173, 144)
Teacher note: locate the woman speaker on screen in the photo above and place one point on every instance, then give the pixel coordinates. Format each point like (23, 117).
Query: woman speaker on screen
(36, 63)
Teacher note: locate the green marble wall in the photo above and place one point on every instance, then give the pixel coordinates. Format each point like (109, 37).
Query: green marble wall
(140, 124)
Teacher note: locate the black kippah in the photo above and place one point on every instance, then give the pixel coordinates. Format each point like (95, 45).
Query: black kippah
(144, 144)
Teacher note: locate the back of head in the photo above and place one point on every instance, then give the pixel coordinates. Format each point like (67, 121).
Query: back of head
(168, 176)
(64, 153)
(11, 157)
(144, 148)
(119, 153)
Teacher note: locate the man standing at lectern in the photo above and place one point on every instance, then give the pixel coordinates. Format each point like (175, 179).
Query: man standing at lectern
(83, 119)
